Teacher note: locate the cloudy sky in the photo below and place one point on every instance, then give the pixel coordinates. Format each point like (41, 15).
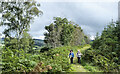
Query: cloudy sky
(92, 16)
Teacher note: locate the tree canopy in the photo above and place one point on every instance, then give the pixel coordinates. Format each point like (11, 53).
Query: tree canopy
(63, 32)
(17, 17)
(105, 51)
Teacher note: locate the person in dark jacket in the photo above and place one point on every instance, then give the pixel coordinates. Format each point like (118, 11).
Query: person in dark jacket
(71, 56)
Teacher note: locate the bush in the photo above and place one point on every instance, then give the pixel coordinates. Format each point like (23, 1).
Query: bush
(105, 49)
(21, 63)
(57, 58)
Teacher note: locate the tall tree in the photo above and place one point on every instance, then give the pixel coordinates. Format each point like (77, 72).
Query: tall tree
(64, 32)
(17, 17)
(106, 49)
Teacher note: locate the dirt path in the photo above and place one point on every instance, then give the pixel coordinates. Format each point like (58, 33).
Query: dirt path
(78, 67)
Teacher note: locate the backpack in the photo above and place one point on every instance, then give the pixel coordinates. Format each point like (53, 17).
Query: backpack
(79, 55)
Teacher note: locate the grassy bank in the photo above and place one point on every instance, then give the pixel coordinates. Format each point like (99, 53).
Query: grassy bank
(84, 66)
(57, 58)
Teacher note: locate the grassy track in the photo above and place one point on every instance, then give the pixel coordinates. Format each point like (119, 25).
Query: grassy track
(78, 67)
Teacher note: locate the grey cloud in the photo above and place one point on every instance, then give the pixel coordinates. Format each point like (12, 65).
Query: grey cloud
(91, 16)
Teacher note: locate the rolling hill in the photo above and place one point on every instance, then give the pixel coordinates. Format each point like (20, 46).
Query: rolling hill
(37, 42)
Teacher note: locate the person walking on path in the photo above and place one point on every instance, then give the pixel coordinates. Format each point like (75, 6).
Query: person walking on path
(71, 56)
(79, 56)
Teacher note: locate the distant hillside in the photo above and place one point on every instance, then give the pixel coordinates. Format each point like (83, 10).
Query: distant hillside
(92, 40)
(38, 42)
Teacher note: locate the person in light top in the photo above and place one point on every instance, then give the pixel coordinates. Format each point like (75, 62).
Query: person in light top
(79, 56)
(71, 56)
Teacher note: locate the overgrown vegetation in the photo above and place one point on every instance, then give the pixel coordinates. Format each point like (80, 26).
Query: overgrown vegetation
(21, 54)
(56, 58)
(105, 51)
(16, 16)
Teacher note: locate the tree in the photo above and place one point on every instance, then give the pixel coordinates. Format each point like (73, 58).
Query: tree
(105, 49)
(78, 36)
(63, 32)
(17, 17)
(26, 42)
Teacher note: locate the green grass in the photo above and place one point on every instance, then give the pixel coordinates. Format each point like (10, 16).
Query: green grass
(92, 68)
(58, 59)
(78, 67)
(61, 60)
(83, 67)
(89, 66)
